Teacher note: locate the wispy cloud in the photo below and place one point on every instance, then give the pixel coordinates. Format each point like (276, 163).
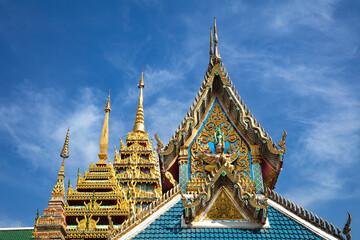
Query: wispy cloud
(314, 14)
(37, 122)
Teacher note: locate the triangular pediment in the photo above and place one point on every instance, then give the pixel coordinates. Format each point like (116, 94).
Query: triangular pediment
(225, 201)
(224, 207)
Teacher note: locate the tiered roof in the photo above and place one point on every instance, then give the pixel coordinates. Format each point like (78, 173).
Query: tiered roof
(97, 200)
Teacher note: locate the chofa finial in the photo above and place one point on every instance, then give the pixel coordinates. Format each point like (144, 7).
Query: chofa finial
(216, 57)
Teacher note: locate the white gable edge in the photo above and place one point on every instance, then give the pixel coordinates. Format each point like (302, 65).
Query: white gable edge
(318, 231)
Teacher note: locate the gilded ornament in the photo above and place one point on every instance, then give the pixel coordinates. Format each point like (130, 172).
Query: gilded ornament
(223, 208)
(169, 176)
(229, 148)
(87, 223)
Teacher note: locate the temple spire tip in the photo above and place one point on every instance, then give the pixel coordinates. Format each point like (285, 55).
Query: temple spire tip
(104, 140)
(65, 150)
(216, 57)
(139, 125)
(108, 105)
(141, 82)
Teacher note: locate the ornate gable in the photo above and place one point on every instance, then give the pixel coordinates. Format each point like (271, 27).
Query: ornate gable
(217, 85)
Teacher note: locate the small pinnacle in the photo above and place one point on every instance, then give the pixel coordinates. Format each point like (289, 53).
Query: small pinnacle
(216, 57)
(141, 82)
(108, 106)
(65, 151)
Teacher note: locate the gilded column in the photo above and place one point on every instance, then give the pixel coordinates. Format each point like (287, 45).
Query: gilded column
(183, 168)
(256, 166)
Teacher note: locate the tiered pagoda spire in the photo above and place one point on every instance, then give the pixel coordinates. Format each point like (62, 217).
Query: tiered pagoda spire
(136, 165)
(52, 224)
(98, 203)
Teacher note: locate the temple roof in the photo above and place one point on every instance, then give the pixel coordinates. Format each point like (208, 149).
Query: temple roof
(168, 226)
(165, 222)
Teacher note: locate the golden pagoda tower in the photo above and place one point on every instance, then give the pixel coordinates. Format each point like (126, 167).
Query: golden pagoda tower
(52, 224)
(135, 163)
(98, 203)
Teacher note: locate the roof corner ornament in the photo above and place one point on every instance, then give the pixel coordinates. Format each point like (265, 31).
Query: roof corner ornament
(272, 146)
(347, 229)
(159, 144)
(282, 142)
(216, 57)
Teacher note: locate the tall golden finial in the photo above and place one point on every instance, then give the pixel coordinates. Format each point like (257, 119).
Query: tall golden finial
(139, 125)
(64, 154)
(59, 189)
(211, 46)
(216, 56)
(104, 140)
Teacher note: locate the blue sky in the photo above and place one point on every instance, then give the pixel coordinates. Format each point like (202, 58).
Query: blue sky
(296, 65)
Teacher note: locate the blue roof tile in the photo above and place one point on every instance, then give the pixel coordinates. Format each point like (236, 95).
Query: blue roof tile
(168, 226)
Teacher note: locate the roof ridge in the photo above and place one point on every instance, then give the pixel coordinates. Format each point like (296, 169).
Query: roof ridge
(308, 215)
(143, 214)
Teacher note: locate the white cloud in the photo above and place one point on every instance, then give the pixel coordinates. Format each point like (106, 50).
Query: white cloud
(314, 14)
(36, 123)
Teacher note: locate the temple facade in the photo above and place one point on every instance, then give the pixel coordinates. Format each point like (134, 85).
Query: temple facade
(213, 179)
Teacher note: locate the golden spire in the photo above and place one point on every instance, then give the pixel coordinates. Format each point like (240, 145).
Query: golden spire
(139, 125)
(211, 45)
(64, 154)
(104, 140)
(216, 56)
(59, 189)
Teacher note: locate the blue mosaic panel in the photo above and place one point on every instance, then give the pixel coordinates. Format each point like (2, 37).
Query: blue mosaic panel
(258, 177)
(183, 177)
